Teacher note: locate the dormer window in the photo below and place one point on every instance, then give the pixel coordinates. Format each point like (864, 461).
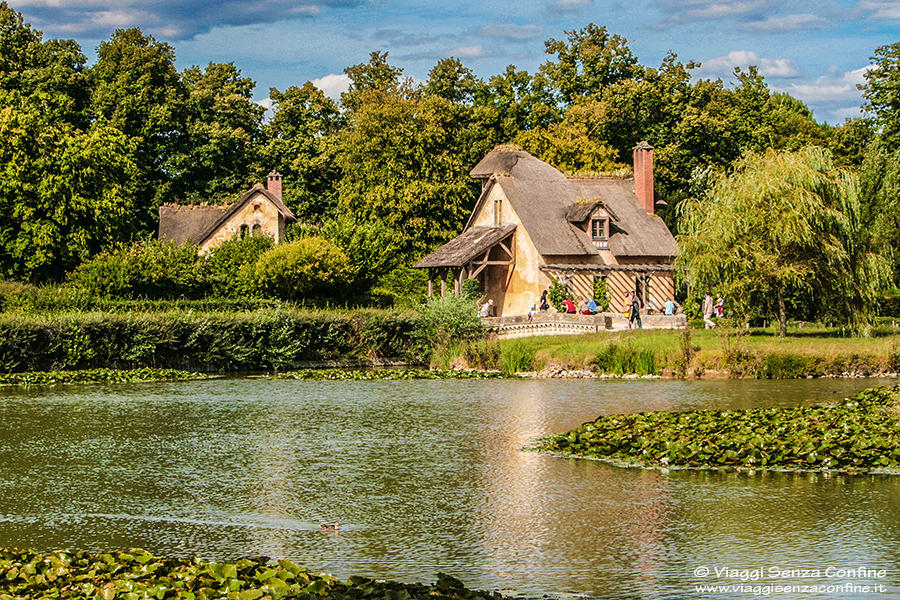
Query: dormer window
(600, 229)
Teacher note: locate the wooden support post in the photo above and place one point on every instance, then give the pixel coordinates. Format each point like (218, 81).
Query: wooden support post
(430, 282)
(443, 275)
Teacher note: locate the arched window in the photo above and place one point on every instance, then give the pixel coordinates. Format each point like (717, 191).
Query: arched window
(257, 229)
(244, 231)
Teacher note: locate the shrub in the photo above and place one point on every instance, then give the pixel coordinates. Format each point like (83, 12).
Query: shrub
(446, 319)
(559, 292)
(309, 267)
(471, 290)
(230, 266)
(151, 269)
(601, 294)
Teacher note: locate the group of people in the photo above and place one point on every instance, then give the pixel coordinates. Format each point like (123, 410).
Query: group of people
(631, 308)
(712, 309)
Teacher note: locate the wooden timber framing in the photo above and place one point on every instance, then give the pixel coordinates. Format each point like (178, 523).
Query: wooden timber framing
(474, 266)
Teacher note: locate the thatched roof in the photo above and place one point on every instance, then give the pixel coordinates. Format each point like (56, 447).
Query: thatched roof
(552, 209)
(633, 232)
(548, 203)
(464, 248)
(188, 224)
(183, 224)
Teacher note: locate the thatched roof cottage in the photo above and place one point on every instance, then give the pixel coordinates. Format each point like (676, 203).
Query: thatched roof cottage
(532, 224)
(259, 210)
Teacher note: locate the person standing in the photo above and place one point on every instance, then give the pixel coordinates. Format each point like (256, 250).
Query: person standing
(708, 311)
(720, 307)
(626, 310)
(635, 311)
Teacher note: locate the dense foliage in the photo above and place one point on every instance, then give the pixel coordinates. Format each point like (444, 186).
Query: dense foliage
(254, 340)
(782, 221)
(89, 153)
(857, 434)
(138, 574)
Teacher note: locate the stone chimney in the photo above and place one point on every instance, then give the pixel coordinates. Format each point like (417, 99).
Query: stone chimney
(643, 176)
(273, 183)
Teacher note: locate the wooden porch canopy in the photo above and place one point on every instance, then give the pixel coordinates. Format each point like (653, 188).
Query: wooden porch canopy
(468, 255)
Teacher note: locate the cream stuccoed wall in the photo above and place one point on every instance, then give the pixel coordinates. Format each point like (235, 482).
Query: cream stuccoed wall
(258, 210)
(526, 282)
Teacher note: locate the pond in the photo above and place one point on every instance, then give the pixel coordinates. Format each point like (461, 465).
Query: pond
(430, 476)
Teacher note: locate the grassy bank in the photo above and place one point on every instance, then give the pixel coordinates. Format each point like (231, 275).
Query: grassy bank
(859, 434)
(138, 574)
(811, 351)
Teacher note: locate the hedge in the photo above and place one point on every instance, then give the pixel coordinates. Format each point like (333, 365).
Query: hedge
(237, 341)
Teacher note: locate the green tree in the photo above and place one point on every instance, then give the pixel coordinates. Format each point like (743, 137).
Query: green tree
(53, 71)
(374, 80)
(218, 156)
(63, 192)
(882, 91)
(450, 80)
(591, 60)
(880, 185)
(301, 142)
(782, 221)
(137, 90)
(513, 102)
(405, 164)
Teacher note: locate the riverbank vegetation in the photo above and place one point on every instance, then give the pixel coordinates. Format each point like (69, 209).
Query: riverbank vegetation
(383, 374)
(138, 574)
(95, 376)
(808, 351)
(267, 339)
(859, 434)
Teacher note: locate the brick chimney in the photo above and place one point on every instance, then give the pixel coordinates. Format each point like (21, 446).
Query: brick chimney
(643, 176)
(273, 184)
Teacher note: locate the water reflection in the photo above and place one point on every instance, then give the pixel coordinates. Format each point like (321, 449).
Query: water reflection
(424, 476)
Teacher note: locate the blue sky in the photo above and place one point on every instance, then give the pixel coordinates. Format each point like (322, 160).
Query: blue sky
(815, 51)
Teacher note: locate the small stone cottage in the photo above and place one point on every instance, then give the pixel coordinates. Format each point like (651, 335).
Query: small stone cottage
(532, 225)
(259, 210)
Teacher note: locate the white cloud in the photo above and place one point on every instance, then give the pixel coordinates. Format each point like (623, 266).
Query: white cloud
(333, 85)
(511, 32)
(888, 10)
(470, 52)
(266, 103)
(786, 23)
(724, 65)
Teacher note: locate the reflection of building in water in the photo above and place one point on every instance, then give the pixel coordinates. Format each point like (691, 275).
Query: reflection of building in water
(604, 524)
(275, 463)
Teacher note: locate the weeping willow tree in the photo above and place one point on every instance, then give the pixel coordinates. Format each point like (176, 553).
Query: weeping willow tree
(782, 221)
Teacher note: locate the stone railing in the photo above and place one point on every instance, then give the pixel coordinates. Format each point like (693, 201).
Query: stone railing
(567, 324)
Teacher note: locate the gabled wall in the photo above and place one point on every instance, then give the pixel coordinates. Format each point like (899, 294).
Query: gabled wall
(257, 210)
(526, 282)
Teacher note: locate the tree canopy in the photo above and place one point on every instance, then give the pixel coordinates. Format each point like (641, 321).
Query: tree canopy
(782, 221)
(90, 153)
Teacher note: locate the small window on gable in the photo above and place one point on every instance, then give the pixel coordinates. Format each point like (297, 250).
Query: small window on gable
(600, 228)
(244, 231)
(498, 212)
